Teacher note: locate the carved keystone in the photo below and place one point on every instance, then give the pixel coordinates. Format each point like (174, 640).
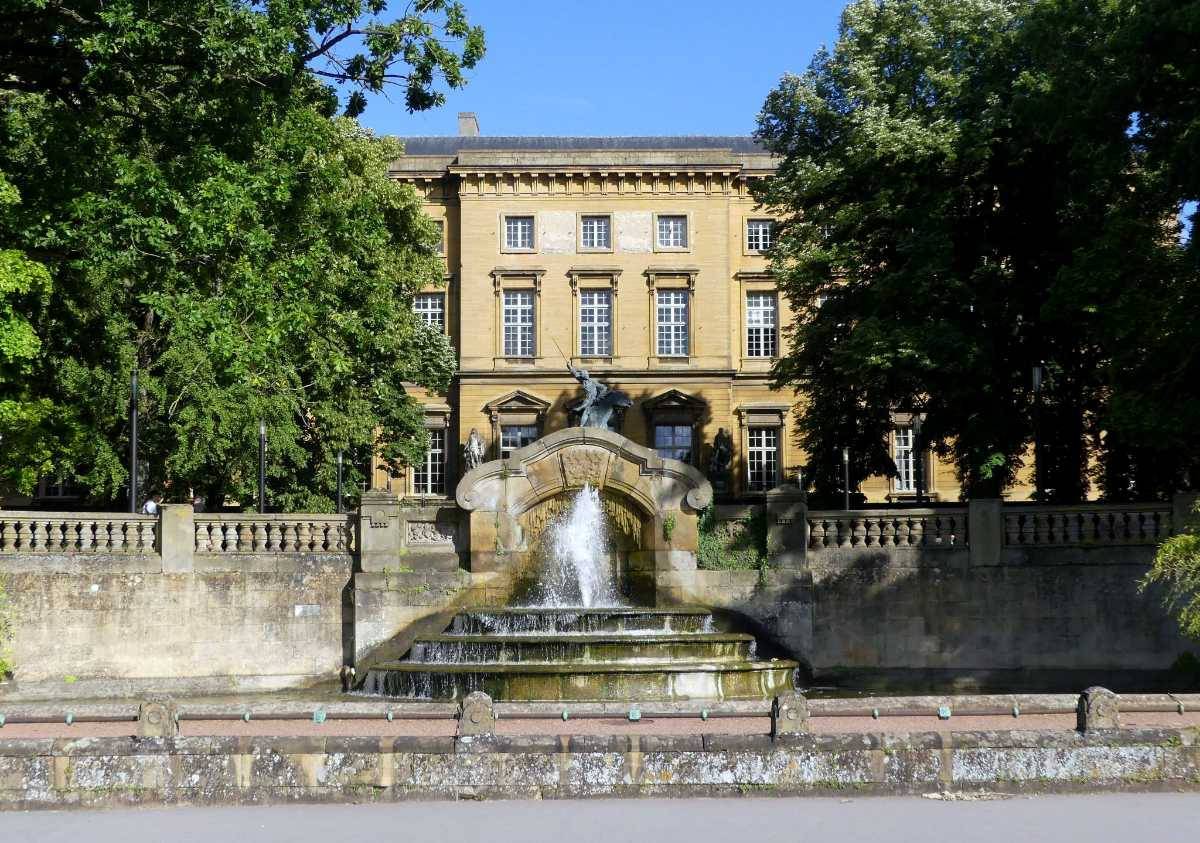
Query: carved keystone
(476, 717)
(156, 719)
(789, 715)
(1097, 709)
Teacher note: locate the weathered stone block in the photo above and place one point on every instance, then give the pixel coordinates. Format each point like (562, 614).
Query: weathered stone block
(476, 716)
(1098, 708)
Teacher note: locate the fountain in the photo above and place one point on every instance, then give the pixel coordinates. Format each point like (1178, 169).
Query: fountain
(576, 641)
(578, 567)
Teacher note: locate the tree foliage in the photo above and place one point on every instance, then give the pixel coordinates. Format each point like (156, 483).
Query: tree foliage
(1176, 571)
(973, 190)
(201, 214)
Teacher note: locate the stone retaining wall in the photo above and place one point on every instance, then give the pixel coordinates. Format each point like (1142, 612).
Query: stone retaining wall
(212, 770)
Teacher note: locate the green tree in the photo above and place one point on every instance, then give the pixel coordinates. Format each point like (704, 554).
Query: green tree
(964, 190)
(204, 216)
(1176, 571)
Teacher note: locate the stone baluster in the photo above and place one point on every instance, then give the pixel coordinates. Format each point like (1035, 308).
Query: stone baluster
(293, 537)
(1012, 529)
(304, 537)
(874, 536)
(816, 533)
(916, 530)
(145, 537)
(8, 536)
(250, 537)
(273, 536)
(888, 532)
(1028, 535)
(1103, 527)
(858, 532)
(37, 541)
(230, 543)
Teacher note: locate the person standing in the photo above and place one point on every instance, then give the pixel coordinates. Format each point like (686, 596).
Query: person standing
(150, 507)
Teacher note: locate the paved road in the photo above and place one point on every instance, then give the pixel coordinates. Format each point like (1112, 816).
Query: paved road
(1162, 818)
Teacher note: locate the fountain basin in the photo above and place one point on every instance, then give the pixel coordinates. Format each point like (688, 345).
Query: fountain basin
(579, 621)
(596, 681)
(613, 647)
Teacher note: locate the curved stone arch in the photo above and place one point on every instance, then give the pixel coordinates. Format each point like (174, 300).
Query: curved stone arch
(664, 492)
(569, 459)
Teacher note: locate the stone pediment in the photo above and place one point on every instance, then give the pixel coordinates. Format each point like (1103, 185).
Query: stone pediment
(673, 400)
(517, 401)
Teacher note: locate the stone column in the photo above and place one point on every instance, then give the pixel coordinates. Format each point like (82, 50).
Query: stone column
(378, 530)
(177, 538)
(985, 532)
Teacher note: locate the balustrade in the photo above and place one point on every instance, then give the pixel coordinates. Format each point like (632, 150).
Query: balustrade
(887, 528)
(76, 532)
(1087, 524)
(274, 534)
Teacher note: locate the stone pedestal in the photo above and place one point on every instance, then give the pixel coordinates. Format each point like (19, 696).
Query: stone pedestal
(1098, 708)
(789, 715)
(379, 530)
(476, 717)
(177, 538)
(985, 532)
(787, 527)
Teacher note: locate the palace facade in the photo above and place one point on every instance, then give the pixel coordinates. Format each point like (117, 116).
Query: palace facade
(643, 260)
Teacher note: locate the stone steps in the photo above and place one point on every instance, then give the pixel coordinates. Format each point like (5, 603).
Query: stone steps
(580, 621)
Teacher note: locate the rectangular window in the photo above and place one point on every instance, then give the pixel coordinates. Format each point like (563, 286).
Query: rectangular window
(761, 325)
(595, 323)
(518, 323)
(905, 460)
(518, 233)
(672, 231)
(673, 323)
(441, 245)
(762, 461)
(431, 307)
(514, 436)
(673, 441)
(595, 232)
(429, 476)
(759, 235)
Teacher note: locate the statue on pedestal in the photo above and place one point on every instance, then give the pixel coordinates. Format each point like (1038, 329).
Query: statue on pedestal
(601, 404)
(473, 450)
(719, 459)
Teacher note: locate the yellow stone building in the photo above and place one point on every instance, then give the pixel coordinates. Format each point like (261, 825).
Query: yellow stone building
(641, 259)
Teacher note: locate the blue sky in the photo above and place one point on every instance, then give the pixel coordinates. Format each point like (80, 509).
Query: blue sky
(621, 67)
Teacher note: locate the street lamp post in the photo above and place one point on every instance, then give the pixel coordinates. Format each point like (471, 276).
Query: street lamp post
(339, 483)
(133, 443)
(846, 479)
(918, 460)
(262, 467)
(1038, 376)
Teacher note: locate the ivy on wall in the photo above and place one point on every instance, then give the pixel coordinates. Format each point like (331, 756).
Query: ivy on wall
(732, 545)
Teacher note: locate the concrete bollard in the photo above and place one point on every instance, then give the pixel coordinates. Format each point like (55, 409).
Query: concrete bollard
(1097, 709)
(789, 715)
(156, 719)
(476, 716)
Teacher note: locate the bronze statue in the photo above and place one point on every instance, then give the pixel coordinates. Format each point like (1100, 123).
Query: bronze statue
(599, 402)
(719, 459)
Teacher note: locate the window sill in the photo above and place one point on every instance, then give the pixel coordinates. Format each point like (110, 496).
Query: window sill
(593, 250)
(508, 251)
(679, 250)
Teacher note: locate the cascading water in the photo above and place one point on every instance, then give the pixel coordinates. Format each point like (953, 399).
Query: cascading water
(577, 565)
